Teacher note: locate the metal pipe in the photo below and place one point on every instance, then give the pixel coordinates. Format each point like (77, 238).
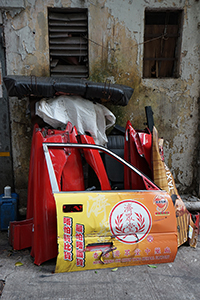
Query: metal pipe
(105, 150)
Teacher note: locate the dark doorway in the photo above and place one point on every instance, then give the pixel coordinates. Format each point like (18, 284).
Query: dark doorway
(6, 171)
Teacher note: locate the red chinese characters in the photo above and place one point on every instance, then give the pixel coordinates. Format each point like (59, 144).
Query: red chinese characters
(80, 254)
(68, 247)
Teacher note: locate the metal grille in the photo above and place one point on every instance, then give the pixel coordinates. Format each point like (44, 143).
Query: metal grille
(68, 42)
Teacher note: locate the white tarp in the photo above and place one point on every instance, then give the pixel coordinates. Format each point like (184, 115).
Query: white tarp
(85, 115)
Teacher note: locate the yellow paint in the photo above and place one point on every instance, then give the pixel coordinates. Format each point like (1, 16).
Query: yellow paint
(127, 223)
(4, 153)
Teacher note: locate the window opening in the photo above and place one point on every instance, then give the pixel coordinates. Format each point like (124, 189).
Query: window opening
(68, 42)
(162, 36)
(68, 208)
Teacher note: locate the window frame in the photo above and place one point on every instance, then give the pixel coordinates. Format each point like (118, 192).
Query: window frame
(152, 65)
(75, 40)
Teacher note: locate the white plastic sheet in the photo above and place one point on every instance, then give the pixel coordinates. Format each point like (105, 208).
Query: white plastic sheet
(84, 114)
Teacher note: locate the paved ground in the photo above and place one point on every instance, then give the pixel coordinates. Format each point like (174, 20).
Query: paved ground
(178, 280)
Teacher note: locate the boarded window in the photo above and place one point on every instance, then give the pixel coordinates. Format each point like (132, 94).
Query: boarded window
(162, 43)
(68, 42)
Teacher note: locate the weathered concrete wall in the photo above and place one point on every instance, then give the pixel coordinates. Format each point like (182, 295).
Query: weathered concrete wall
(116, 30)
(174, 101)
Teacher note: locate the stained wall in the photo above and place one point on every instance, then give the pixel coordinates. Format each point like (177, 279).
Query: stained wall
(116, 34)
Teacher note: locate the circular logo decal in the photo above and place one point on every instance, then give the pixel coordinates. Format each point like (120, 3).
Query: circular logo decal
(130, 221)
(161, 203)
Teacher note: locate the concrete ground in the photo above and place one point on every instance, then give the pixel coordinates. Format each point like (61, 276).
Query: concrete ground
(178, 280)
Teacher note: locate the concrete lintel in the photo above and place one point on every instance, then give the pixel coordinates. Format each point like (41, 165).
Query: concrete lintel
(10, 4)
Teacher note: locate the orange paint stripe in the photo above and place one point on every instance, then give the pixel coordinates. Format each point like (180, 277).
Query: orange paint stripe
(4, 153)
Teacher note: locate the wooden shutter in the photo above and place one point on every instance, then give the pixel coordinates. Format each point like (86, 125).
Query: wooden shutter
(161, 43)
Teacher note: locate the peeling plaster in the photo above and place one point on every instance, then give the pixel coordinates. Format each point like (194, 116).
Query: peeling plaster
(116, 31)
(27, 41)
(31, 2)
